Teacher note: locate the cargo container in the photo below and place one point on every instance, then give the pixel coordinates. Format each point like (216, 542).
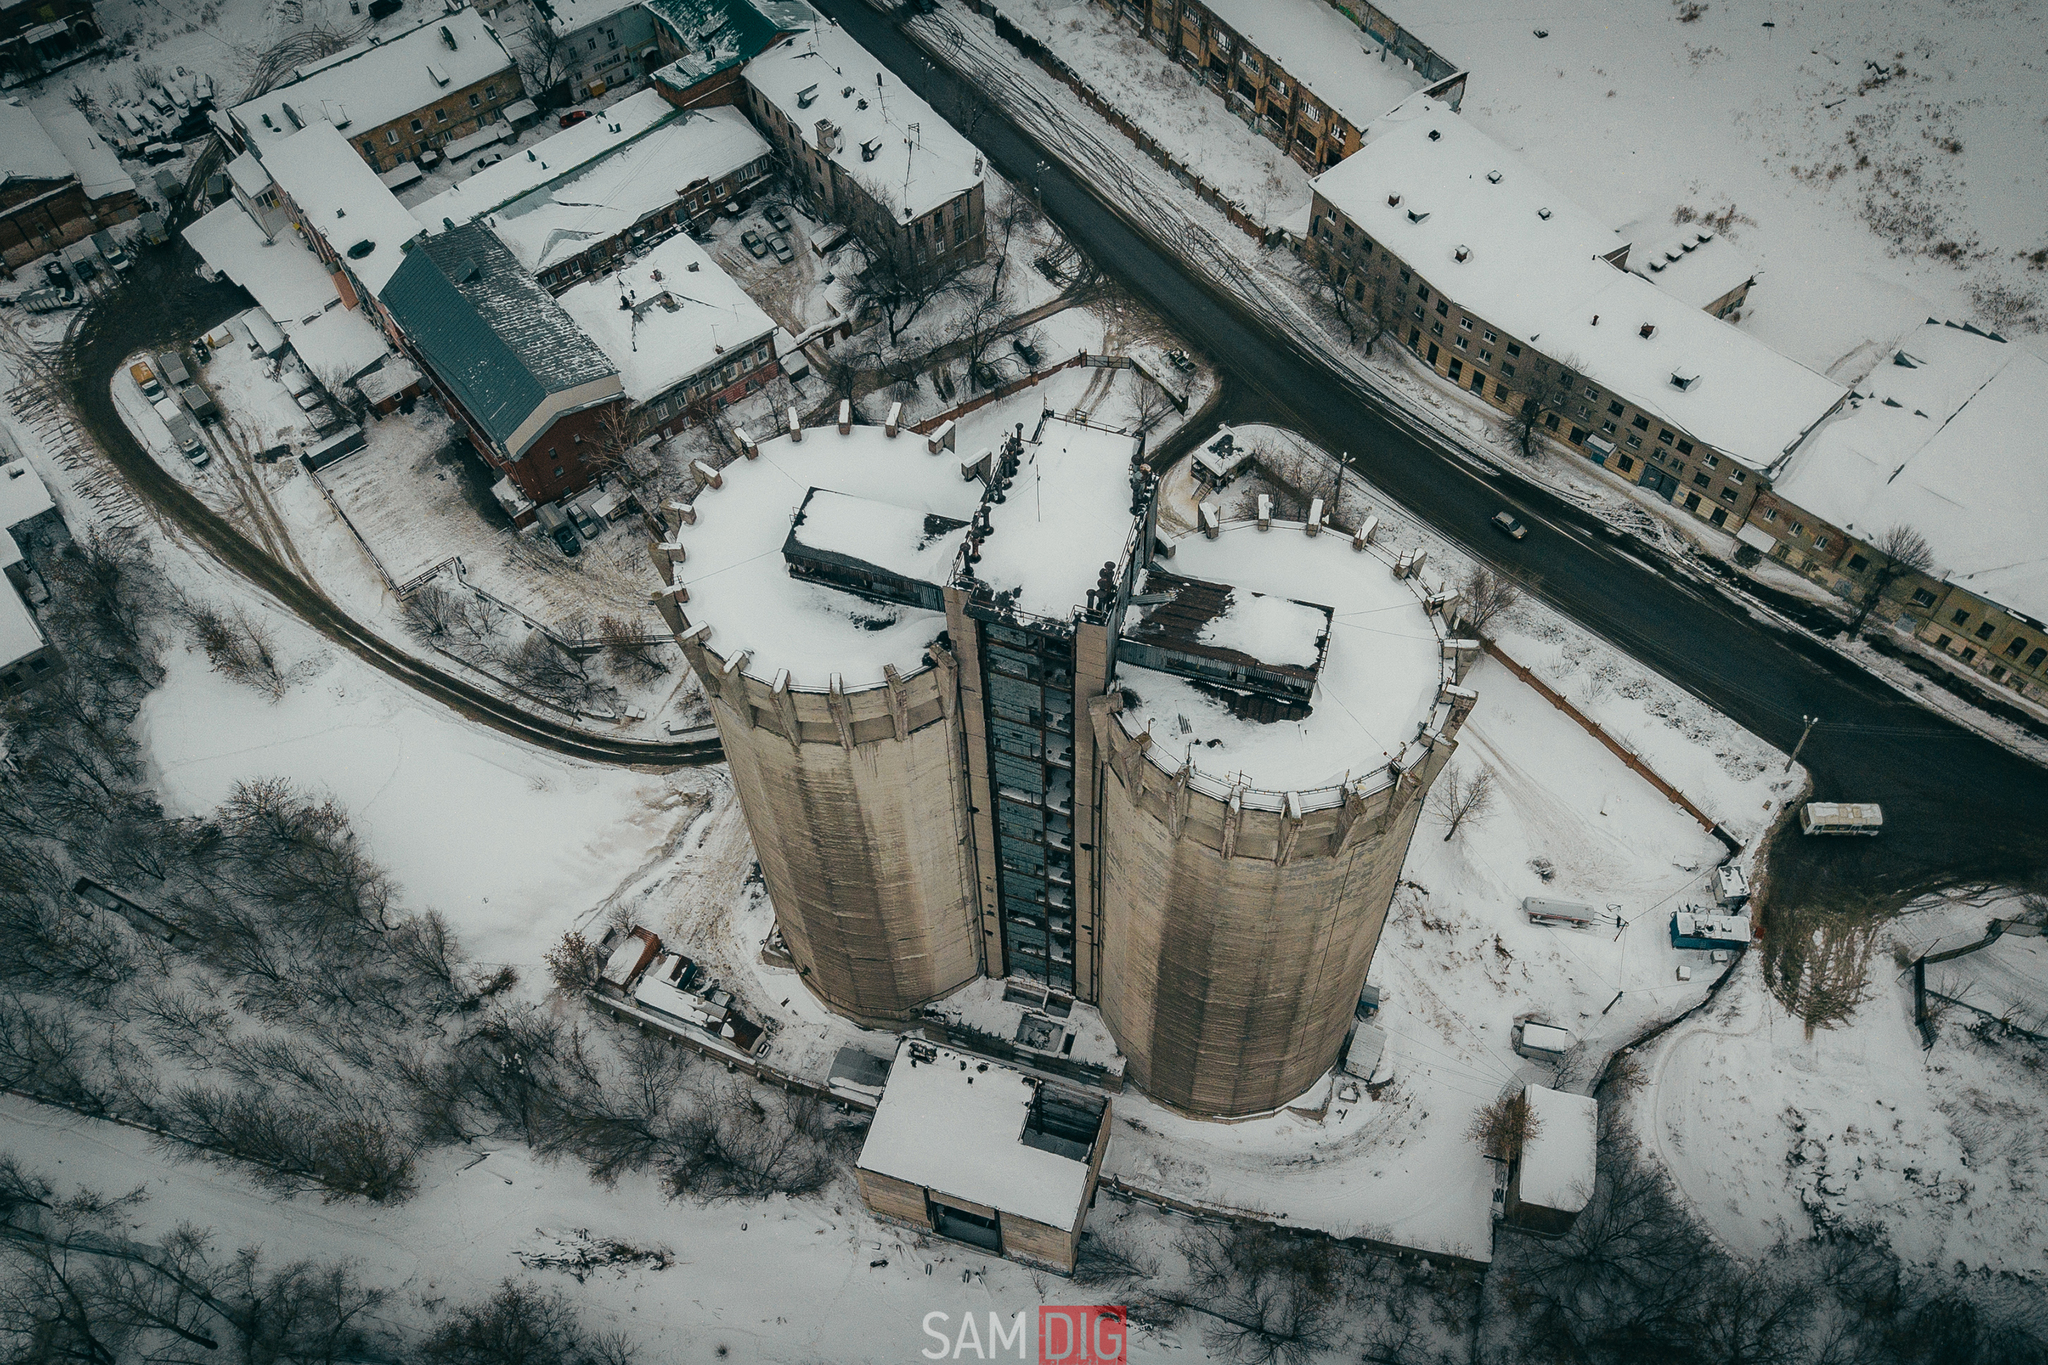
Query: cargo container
(1841, 817)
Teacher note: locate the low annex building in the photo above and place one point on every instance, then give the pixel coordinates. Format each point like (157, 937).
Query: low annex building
(1928, 441)
(1504, 286)
(578, 201)
(995, 725)
(392, 98)
(59, 182)
(1551, 1180)
(707, 42)
(981, 1153)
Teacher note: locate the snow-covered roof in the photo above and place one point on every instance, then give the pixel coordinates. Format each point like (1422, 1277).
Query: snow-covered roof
(740, 587)
(1947, 460)
(250, 177)
(560, 217)
(92, 160)
(1531, 252)
(906, 542)
(1558, 1158)
(374, 82)
(1271, 629)
(1333, 57)
(22, 494)
(665, 316)
(553, 157)
(1694, 265)
(1068, 514)
(293, 286)
(1432, 188)
(1739, 396)
(27, 151)
(342, 199)
(954, 1125)
(1381, 673)
(19, 634)
(716, 35)
(824, 74)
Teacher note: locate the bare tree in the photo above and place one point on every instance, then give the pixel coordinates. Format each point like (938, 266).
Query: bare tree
(544, 58)
(1381, 312)
(1150, 407)
(551, 671)
(621, 427)
(1264, 1298)
(240, 647)
(976, 332)
(628, 648)
(1505, 1126)
(1524, 419)
(1334, 298)
(901, 290)
(1899, 551)
(521, 1324)
(1485, 593)
(1458, 799)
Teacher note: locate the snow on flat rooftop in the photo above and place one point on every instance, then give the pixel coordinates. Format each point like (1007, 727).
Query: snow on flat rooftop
(19, 635)
(1270, 629)
(741, 589)
(22, 494)
(1694, 265)
(551, 158)
(608, 196)
(344, 201)
(903, 540)
(913, 172)
(953, 1126)
(27, 151)
(1534, 266)
(685, 314)
(94, 162)
(569, 15)
(1067, 514)
(366, 86)
(1943, 461)
(1380, 676)
(1557, 1161)
(292, 285)
(1335, 58)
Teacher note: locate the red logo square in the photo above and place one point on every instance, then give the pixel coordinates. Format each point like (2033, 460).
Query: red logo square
(1086, 1334)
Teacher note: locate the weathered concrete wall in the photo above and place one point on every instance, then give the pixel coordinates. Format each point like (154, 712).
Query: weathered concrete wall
(858, 810)
(1236, 941)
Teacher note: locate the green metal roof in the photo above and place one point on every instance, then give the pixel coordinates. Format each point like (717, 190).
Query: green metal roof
(487, 329)
(717, 35)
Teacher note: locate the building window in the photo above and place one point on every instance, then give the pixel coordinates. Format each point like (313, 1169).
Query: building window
(1770, 514)
(1969, 654)
(369, 146)
(1664, 435)
(1607, 428)
(1464, 343)
(440, 116)
(418, 127)
(1491, 337)
(1986, 631)
(1507, 369)
(1820, 542)
(1922, 598)
(1738, 476)
(2017, 647)
(1592, 393)
(1624, 464)
(1857, 563)
(1404, 280)
(1641, 423)
(1614, 409)
(1685, 448)
(1578, 436)
(1478, 383)
(1485, 356)
(1421, 290)
(1961, 618)
(1465, 323)
(1728, 495)
(490, 92)
(475, 100)
(1436, 329)
(2035, 659)
(1513, 349)
(1635, 443)
(1457, 369)
(391, 136)
(1798, 528)
(1443, 308)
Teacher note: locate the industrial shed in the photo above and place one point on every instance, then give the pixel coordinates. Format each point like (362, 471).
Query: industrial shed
(981, 1153)
(1552, 1179)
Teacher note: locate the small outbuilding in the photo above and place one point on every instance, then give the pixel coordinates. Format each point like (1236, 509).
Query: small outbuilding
(982, 1153)
(1693, 928)
(1552, 1179)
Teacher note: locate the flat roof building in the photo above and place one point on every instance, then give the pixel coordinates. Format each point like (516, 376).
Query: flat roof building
(981, 1153)
(1551, 1181)
(984, 721)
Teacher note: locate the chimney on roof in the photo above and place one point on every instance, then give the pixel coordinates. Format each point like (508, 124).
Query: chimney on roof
(1649, 330)
(828, 136)
(1543, 213)
(869, 148)
(1393, 201)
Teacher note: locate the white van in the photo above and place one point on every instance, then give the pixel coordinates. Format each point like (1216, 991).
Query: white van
(1841, 817)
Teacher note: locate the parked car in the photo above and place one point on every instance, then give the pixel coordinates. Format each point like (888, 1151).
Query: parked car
(186, 437)
(110, 251)
(777, 219)
(585, 521)
(158, 152)
(145, 379)
(54, 272)
(1179, 360)
(779, 244)
(1027, 350)
(87, 271)
(557, 527)
(986, 376)
(754, 243)
(1514, 528)
(172, 368)
(574, 117)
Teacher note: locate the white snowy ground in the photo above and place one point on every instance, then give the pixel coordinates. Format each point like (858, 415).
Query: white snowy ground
(781, 1281)
(1771, 1134)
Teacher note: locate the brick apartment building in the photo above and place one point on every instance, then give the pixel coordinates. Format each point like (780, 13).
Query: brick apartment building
(59, 183)
(1501, 284)
(1307, 75)
(394, 99)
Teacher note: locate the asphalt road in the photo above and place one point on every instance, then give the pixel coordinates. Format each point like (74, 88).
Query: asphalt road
(164, 300)
(1958, 809)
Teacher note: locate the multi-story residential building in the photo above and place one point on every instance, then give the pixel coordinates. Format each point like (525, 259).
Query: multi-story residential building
(1461, 251)
(867, 151)
(601, 43)
(527, 384)
(964, 749)
(705, 43)
(681, 332)
(1935, 440)
(59, 182)
(37, 36)
(575, 203)
(1308, 75)
(394, 99)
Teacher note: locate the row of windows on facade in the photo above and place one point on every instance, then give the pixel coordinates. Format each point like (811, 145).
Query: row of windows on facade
(1566, 399)
(814, 163)
(419, 125)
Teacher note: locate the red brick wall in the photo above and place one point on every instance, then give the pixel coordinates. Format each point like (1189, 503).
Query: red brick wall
(534, 473)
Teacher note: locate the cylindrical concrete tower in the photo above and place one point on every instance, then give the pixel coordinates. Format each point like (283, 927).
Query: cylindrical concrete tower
(837, 710)
(1250, 839)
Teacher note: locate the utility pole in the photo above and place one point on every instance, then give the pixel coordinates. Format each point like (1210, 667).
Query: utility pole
(1794, 757)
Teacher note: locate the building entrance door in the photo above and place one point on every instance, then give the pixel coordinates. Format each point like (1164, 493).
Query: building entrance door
(1658, 482)
(963, 1225)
